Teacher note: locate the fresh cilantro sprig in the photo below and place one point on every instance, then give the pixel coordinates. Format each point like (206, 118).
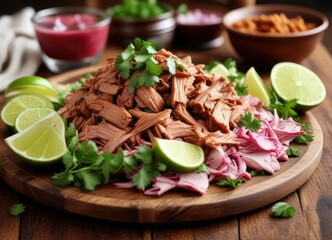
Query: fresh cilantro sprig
(86, 168)
(250, 122)
(293, 151)
(285, 109)
(234, 183)
(254, 173)
(137, 63)
(282, 209)
(17, 209)
(137, 9)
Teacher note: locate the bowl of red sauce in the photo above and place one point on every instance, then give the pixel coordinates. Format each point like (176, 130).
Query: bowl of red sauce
(71, 37)
(199, 28)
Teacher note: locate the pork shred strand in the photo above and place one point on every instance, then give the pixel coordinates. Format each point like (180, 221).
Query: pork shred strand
(190, 105)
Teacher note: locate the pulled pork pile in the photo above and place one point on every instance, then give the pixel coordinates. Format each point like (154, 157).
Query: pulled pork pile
(191, 105)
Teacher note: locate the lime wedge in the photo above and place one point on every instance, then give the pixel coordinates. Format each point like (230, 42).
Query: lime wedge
(30, 116)
(257, 87)
(42, 143)
(292, 80)
(28, 81)
(178, 156)
(48, 93)
(16, 105)
(219, 70)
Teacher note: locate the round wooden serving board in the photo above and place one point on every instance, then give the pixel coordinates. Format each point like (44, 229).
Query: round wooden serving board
(131, 205)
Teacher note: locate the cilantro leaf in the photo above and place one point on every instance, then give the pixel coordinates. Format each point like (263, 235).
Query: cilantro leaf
(152, 67)
(62, 179)
(17, 209)
(304, 138)
(125, 68)
(145, 154)
(234, 183)
(203, 169)
(282, 209)
(171, 65)
(90, 180)
(148, 79)
(129, 163)
(144, 176)
(250, 122)
(284, 109)
(293, 151)
(254, 173)
(137, 63)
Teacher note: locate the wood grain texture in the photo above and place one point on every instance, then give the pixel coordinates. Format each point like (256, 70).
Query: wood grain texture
(9, 225)
(129, 205)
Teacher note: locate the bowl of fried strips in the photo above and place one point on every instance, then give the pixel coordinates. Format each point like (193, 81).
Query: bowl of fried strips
(270, 33)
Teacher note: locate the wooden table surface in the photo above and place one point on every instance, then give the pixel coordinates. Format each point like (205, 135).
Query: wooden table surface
(313, 200)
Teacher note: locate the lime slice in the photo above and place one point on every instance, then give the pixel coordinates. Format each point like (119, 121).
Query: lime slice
(48, 93)
(219, 70)
(30, 116)
(16, 105)
(292, 80)
(257, 87)
(178, 156)
(27, 82)
(42, 143)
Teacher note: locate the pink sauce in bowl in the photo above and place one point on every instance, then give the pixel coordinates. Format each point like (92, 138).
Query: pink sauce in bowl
(71, 34)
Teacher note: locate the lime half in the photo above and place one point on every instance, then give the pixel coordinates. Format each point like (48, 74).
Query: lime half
(292, 80)
(42, 143)
(257, 87)
(178, 156)
(30, 116)
(219, 70)
(16, 105)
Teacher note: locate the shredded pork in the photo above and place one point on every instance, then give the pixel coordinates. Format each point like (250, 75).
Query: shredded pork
(191, 106)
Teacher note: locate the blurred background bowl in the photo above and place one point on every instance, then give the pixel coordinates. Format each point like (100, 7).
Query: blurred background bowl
(199, 28)
(267, 49)
(160, 29)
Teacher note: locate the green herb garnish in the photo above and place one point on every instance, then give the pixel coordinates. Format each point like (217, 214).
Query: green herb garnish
(234, 183)
(87, 169)
(137, 9)
(293, 151)
(137, 63)
(17, 209)
(250, 122)
(282, 209)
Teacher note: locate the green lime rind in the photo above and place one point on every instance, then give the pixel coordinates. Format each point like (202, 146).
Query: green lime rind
(30, 116)
(180, 157)
(16, 105)
(291, 80)
(256, 86)
(28, 81)
(43, 143)
(50, 94)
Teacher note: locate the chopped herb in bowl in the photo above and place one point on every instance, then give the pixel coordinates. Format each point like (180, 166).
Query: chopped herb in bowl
(137, 9)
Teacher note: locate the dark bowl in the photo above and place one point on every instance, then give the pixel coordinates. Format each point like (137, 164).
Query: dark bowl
(200, 35)
(267, 49)
(159, 29)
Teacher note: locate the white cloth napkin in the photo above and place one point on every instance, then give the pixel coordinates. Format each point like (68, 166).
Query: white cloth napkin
(19, 49)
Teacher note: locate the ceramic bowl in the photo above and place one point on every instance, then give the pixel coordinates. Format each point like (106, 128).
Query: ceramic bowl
(267, 49)
(200, 28)
(159, 29)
